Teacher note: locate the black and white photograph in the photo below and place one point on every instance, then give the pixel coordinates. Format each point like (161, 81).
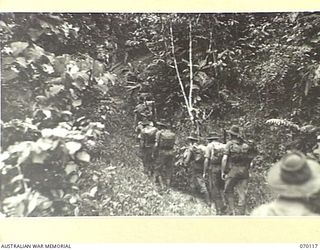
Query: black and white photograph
(160, 114)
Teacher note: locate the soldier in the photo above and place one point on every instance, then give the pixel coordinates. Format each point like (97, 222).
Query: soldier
(296, 179)
(316, 150)
(144, 108)
(235, 170)
(164, 151)
(213, 157)
(194, 157)
(147, 138)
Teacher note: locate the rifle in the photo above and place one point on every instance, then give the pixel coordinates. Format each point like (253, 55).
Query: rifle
(224, 136)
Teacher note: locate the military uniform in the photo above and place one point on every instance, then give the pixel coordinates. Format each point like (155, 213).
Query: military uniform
(215, 183)
(194, 158)
(237, 175)
(164, 161)
(147, 138)
(144, 109)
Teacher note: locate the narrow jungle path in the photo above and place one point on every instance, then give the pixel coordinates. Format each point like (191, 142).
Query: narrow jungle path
(116, 185)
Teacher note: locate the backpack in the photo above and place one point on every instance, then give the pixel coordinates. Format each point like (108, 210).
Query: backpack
(218, 150)
(198, 153)
(167, 139)
(149, 134)
(239, 152)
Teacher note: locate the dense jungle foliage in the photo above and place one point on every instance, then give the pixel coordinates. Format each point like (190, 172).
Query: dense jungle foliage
(70, 83)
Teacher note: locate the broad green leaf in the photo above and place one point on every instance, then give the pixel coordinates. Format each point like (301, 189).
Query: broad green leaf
(46, 204)
(60, 132)
(57, 193)
(83, 156)
(33, 202)
(9, 75)
(47, 113)
(77, 103)
(7, 60)
(71, 167)
(18, 47)
(48, 68)
(35, 33)
(60, 64)
(76, 136)
(47, 132)
(33, 54)
(54, 90)
(73, 147)
(24, 155)
(72, 68)
(103, 88)
(202, 63)
(4, 156)
(74, 178)
(22, 62)
(17, 178)
(39, 158)
(98, 69)
(76, 211)
(73, 200)
(79, 85)
(66, 112)
(4, 27)
(93, 191)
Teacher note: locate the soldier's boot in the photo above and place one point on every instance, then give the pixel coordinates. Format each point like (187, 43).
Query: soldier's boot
(207, 199)
(242, 209)
(230, 204)
(168, 182)
(219, 206)
(153, 178)
(161, 182)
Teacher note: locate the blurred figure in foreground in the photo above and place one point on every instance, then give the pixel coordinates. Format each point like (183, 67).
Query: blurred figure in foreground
(296, 179)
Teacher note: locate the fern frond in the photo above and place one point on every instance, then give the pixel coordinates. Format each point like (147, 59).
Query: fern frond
(282, 122)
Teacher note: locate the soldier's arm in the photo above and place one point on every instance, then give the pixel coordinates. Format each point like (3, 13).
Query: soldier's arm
(156, 143)
(187, 157)
(224, 161)
(224, 165)
(206, 161)
(142, 140)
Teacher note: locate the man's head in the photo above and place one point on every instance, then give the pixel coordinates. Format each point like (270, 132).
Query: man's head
(295, 176)
(193, 138)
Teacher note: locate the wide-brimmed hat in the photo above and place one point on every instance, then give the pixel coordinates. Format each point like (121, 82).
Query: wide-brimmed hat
(193, 137)
(163, 123)
(234, 130)
(295, 176)
(146, 122)
(213, 136)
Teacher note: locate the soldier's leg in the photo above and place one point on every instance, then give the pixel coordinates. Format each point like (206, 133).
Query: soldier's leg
(144, 159)
(161, 166)
(193, 180)
(229, 194)
(169, 168)
(156, 169)
(216, 195)
(242, 188)
(149, 162)
(203, 189)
